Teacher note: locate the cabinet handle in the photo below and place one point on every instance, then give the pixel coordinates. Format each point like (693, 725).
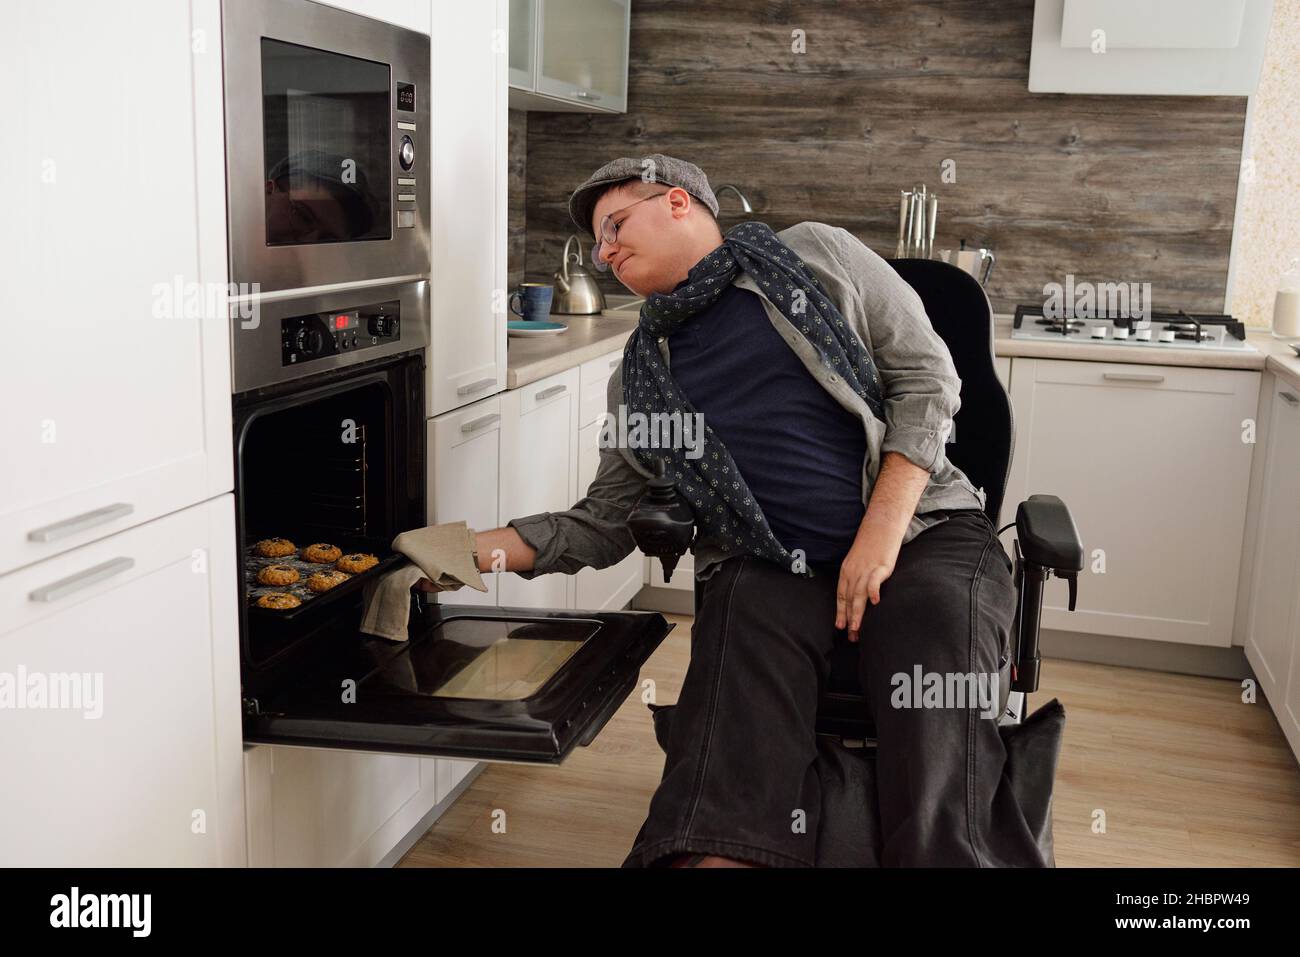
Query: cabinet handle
(83, 579)
(586, 95)
(547, 393)
(79, 523)
(1290, 399)
(475, 386)
(473, 425)
(1133, 376)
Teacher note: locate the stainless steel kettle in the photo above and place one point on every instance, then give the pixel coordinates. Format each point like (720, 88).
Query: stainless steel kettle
(576, 292)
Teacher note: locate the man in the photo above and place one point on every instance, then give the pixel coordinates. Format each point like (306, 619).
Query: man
(824, 504)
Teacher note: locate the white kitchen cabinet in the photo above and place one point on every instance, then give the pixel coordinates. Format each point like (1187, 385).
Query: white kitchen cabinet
(464, 479)
(319, 808)
(146, 771)
(606, 589)
(1273, 633)
(116, 355)
(578, 58)
(467, 350)
(1152, 463)
(538, 457)
(523, 46)
(1002, 369)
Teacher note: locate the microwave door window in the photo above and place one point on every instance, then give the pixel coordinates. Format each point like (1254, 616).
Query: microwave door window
(325, 141)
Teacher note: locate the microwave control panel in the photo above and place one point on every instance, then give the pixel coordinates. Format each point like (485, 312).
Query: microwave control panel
(339, 331)
(407, 181)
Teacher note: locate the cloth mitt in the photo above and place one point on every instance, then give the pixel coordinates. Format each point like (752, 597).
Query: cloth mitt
(444, 554)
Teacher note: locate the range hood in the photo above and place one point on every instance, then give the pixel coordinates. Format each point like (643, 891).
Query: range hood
(1155, 47)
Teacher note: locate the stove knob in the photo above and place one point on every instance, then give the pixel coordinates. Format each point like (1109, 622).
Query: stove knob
(310, 341)
(1143, 335)
(1098, 332)
(382, 326)
(1167, 335)
(1119, 332)
(406, 153)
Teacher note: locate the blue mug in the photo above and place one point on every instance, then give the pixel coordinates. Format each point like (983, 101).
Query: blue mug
(534, 301)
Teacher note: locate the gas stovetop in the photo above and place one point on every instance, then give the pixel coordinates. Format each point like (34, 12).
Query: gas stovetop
(1160, 330)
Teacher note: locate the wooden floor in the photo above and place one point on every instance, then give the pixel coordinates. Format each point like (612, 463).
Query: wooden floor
(1185, 773)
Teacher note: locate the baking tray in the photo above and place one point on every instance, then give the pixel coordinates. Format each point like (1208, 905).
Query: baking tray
(253, 563)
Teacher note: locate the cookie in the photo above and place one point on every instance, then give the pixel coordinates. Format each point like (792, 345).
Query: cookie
(356, 563)
(321, 554)
(275, 547)
(323, 581)
(278, 600)
(278, 575)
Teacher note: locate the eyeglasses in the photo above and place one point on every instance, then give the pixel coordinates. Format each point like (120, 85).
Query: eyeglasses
(609, 232)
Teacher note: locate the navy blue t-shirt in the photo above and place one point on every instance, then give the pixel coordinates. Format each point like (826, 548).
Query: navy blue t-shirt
(800, 451)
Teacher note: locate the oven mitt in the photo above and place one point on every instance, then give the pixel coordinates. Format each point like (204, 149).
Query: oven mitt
(444, 554)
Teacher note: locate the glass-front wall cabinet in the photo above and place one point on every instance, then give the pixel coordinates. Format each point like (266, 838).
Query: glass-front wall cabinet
(575, 51)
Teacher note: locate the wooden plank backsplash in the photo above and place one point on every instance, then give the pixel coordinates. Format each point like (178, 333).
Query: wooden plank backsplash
(1109, 188)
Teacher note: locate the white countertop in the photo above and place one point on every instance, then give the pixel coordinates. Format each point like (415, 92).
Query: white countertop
(1272, 354)
(589, 337)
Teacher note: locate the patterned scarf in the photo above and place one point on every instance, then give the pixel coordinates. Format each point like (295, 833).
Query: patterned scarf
(724, 508)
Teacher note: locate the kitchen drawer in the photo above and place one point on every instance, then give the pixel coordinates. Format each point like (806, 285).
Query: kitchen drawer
(1131, 375)
(595, 381)
(560, 387)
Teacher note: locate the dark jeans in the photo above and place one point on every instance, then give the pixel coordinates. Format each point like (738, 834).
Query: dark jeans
(739, 777)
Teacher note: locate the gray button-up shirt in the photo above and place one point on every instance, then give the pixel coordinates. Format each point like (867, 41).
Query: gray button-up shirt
(921, 392)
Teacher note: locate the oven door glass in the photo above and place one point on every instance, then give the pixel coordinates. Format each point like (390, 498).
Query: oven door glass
(326, 148)
(486, 684)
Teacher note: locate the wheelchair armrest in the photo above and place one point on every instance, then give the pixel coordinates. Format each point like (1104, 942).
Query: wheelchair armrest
(1047, 543)
(1047, 534)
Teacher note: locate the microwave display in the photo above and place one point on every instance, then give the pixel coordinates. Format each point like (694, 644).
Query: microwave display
(326, 149)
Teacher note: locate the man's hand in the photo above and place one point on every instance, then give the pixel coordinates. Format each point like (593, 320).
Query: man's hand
(870, 560)
(503, 543)
(865, 568)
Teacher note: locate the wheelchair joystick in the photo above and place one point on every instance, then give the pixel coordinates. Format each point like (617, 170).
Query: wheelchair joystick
(662, 522)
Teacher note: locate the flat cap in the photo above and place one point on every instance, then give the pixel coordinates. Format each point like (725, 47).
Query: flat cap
(655, 168)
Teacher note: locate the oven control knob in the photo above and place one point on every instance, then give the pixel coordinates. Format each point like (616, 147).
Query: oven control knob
(310, 341)
(406, 153)
(382, 327)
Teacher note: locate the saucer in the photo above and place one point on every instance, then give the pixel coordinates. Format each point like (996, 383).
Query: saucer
(523, 328)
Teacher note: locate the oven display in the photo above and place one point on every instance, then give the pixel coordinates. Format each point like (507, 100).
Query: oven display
(338, 332)
(406, 97)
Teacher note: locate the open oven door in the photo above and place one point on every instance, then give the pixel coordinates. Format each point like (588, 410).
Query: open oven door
(474, 683)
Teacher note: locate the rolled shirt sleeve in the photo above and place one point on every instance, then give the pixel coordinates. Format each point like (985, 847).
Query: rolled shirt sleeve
(594, 532)
(922, 391)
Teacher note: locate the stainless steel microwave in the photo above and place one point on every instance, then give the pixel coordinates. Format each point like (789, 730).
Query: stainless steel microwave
(327, 145)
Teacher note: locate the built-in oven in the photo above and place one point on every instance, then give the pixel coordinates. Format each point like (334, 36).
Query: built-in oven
(327, 145)
(329, 419)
